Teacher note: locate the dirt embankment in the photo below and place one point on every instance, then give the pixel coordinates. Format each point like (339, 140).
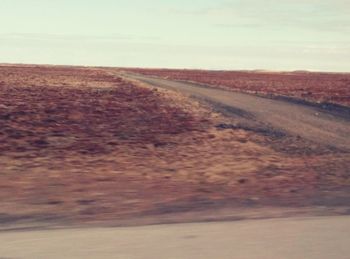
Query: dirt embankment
(81, 145)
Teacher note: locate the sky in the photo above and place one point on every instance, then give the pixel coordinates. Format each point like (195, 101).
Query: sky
(202, 34)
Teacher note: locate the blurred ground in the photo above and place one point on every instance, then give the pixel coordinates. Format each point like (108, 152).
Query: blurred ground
(82, 145)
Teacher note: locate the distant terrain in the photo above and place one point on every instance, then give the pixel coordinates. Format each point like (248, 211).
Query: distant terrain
(310, 86)
(83, 145)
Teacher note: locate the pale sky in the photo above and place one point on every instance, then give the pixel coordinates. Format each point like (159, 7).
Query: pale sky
(231, 34)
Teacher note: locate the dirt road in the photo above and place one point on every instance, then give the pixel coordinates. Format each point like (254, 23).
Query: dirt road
(309, 122)
(293, 238)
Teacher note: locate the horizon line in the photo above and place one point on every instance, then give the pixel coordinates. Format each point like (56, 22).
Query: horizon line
(255, 70)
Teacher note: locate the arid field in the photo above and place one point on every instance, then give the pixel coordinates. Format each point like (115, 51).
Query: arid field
(83, 145)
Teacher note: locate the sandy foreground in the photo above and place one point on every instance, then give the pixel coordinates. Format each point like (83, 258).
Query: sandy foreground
(293, 238)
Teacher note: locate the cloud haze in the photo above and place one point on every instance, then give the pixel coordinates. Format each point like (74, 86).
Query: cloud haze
(236, 34)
